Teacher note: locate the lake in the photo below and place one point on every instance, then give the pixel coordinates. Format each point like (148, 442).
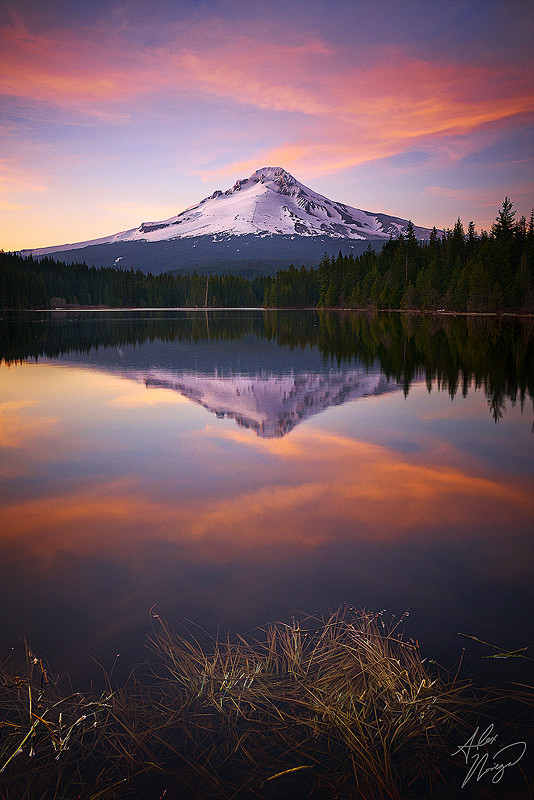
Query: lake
(232, 468)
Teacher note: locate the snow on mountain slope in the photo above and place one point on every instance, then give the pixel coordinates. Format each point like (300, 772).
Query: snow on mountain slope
(271, 202)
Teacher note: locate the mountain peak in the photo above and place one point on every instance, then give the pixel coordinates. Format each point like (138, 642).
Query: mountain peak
(278, 175)
(269, 203)
(271, 174)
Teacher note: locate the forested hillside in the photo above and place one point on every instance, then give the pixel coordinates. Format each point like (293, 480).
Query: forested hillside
(45, 283)
(459, 271)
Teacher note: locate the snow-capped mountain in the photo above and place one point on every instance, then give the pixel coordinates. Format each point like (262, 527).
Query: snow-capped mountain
(270, 205)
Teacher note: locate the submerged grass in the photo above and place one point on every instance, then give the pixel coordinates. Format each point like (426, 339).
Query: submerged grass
(49, 737)
(340, 707)
(341, 697)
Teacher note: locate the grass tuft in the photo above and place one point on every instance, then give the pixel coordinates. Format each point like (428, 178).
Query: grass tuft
(336, 707)
(341, 699)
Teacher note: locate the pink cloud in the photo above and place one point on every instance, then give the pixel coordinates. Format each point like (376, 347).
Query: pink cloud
(67, 70)
(394, 104)
(344, 108)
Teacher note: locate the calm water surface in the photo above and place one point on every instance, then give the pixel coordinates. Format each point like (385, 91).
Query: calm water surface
(233, 468)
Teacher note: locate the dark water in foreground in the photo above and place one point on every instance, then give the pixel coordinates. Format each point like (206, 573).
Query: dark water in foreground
(237, 467)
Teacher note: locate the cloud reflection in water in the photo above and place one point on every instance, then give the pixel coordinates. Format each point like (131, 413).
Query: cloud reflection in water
(159, 502)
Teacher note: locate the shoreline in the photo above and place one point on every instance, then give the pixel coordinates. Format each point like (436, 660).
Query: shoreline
(344, 309)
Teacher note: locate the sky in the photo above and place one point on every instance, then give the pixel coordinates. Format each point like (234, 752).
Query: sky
(117, 113)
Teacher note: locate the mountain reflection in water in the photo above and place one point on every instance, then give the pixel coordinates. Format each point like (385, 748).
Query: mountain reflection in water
(125, 481)
(454, 353)
(269, 404)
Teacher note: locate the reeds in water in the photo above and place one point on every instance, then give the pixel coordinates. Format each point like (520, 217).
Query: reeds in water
(49, 738)
(340, 707)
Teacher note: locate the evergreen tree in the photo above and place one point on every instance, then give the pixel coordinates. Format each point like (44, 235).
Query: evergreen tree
(504, 222)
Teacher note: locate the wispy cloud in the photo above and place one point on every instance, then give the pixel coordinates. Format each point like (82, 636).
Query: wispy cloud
(347, 114)
(462, 195)
(396, 104)
(17, 178)
(17, 427)
(7, 205)
(147, 398)
(140, 211)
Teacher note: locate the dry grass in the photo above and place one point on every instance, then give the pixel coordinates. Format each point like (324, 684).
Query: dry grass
(339, 707)
(49, 738)
(340, 704)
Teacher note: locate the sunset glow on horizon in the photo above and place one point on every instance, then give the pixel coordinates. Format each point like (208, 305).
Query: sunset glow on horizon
(117, 113)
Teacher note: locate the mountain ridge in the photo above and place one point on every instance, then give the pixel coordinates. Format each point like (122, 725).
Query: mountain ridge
(268, 205)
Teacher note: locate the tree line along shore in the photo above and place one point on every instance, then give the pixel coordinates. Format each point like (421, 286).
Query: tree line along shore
(459, 271)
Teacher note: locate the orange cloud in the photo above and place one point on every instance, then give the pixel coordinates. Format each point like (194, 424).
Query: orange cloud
(7, 205)
(241, 71)
(322, 484)
(15, 178)
(366, 485)
(147, 398)
(67, 71)
(17, 427)
(361, 114)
